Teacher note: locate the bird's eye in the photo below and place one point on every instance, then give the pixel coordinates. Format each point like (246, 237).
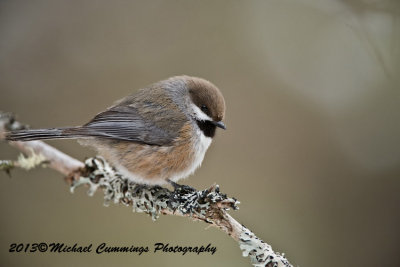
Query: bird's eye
(204, 108)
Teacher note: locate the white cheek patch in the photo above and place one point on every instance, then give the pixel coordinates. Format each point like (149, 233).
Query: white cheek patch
(199, 114)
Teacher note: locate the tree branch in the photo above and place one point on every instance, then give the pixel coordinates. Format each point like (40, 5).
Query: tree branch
(207, 205)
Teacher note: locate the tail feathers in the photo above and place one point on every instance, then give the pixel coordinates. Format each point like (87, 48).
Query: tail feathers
(40, 134)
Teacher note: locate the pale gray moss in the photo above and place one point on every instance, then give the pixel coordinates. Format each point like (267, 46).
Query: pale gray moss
(260, 253)
(185, 200)
(150, 199)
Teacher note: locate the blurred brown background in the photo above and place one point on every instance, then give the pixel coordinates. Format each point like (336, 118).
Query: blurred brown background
(312, 148)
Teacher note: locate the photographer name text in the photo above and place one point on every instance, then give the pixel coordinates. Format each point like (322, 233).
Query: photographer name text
(104, 248)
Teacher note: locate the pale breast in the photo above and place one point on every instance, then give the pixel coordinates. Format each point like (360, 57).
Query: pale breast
(200, 147)
(155, 164)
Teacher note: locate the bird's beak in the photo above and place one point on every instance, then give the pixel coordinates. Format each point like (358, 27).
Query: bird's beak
(219, 124)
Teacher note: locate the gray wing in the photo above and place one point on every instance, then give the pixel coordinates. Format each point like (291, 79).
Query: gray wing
(125, 123)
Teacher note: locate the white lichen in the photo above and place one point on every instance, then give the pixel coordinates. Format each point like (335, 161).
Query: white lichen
(149, 199)
(31, 161)
(260, 253)
(184, 200)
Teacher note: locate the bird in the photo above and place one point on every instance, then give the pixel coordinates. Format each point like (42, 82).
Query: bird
(154, 136)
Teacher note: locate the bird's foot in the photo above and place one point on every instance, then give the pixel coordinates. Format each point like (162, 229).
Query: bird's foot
(180, 188)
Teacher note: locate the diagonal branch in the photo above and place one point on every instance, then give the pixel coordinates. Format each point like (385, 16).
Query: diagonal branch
(207, 205)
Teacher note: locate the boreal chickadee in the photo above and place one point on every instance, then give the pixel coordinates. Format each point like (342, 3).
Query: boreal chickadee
(158, 134)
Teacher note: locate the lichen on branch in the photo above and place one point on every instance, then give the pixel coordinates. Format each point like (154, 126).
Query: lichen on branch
(208, 205)
(153, 200)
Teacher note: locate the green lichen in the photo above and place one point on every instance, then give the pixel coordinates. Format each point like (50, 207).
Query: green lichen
(6, 165)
